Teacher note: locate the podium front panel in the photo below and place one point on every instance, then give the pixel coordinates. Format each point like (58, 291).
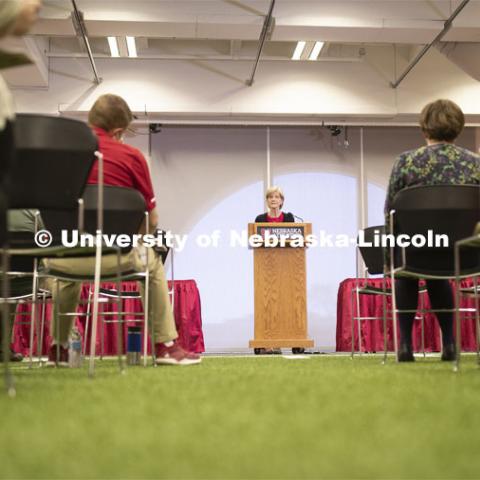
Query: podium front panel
(280, 286)
(280, 291)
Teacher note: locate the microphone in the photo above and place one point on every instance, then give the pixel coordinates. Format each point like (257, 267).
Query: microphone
(299, 218)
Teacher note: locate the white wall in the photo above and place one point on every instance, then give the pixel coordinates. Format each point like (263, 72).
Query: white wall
(210, 178)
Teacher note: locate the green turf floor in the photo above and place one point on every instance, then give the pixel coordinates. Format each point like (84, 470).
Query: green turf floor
(232, 418)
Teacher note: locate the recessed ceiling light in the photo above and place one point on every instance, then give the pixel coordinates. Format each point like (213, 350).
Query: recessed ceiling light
(298, 50)
(112, 43)
(316, 50)
(132, 47)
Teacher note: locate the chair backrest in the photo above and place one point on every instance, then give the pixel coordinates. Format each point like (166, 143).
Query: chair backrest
(123, 213)
(124, 209)
(451, 210)
(373, 256)
(54, 156)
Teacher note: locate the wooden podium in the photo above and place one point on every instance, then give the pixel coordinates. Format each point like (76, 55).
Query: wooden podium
(280, 289)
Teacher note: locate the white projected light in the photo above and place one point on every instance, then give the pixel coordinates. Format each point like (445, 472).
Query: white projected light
(316, 50)
(298, 50)
(132, 47)
(112, 43)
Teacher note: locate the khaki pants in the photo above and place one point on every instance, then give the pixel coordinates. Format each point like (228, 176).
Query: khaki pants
(66, 301)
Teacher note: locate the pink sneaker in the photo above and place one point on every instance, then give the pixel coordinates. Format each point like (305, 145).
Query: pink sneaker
(175, 355)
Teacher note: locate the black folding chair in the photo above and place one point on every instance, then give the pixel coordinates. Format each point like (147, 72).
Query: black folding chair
(124, 211)
(20, 275)
(109, 295)
(373, 256)
(449, 210)
(53, 159)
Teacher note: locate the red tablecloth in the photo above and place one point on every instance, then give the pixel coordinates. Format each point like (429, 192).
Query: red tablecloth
(187, 310)
(372, 330)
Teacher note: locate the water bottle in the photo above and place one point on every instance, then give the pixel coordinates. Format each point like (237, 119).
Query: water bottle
(134, 343)
(75, 349)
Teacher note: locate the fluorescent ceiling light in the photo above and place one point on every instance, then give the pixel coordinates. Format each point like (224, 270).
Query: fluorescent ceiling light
(132, 47)
(316, 50)
(112, 43)
(298, 50)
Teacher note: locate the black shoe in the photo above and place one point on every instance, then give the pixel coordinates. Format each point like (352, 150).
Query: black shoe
(405, 353)
(449, 353)
(14, 356)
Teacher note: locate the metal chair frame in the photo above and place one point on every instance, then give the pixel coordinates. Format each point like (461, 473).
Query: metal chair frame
(384, 292)
(473, 241)
(118, 277)
(456, 275)
(38, 326)
(109, 294)
(32, 150)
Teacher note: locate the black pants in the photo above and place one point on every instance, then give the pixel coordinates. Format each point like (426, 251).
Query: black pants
(441, 297)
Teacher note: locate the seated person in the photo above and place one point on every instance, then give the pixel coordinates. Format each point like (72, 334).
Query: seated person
(124, 166)
(440, 162)
(275, 198)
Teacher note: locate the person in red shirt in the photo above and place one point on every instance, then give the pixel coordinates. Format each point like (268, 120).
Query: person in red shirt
(124, 166)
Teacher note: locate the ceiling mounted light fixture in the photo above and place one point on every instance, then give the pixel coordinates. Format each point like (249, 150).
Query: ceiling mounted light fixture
(316, 50)
(113, 44)
(298, 50)
(132, 47)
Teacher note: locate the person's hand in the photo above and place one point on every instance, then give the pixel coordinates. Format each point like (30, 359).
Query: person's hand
(26, 17)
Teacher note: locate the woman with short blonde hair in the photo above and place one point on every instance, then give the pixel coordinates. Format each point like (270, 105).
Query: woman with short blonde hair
(275, 198)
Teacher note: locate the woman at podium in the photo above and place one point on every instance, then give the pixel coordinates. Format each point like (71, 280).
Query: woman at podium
(275, 199)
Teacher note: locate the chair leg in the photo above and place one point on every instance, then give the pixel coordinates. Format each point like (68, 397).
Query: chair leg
(93, 335)
(359, 325)
(149, 322)
(172, 264)
(121, 319)
(352, 324)
(394, 316)
(33, 317)
(33, 322)
(477, 318)
(384, 318)
(422, 324)
(37, 326)
(42, 328)
(87, 322)
(152, 342)
(102, 334)
(9, 381)
(145, 326)
(146, 307)
(457, 308)
(57, 329)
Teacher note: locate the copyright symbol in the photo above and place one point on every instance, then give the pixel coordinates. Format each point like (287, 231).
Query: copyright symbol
(43, 238)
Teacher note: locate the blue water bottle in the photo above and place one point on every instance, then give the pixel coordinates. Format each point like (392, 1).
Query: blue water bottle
(134, 345)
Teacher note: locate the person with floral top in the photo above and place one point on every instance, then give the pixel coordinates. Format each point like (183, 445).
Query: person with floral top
(439, 162)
